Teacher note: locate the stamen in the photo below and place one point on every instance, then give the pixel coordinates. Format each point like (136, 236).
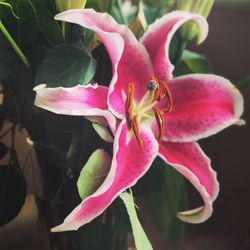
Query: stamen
(143, 100)
(159, 94)
(159, 120)
(167, 95)
(136, 130)
(129, 105)
(147, 108)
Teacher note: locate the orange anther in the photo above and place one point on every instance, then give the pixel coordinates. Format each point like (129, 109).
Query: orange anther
(136, 130)
(168, 95)
(129, 105)
(159, 120)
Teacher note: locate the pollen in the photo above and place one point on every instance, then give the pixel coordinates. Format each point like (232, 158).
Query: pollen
(168, 95)
(136, 130)
(129, 105)
(159, 121)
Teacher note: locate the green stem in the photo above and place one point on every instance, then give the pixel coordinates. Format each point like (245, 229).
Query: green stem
(64, 29)
(243, 83)
(13, 44)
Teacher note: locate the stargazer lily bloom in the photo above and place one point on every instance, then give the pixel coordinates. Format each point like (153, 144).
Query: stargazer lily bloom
(149, 112)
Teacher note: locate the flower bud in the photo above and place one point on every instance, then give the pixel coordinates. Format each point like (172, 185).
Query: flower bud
(63, 5)
(202, 7)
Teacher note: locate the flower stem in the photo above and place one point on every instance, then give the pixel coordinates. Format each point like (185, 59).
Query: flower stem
(13, 44)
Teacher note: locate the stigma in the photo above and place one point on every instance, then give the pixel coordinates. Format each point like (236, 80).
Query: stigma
(147, 107)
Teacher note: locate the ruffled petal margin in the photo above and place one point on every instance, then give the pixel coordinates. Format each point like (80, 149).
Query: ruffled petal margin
(89, 101)
(203, 105)
(189, 160)
(159, 35)
(130, 60)
(130, 162)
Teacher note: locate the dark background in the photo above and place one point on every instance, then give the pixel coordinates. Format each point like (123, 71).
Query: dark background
(227, 48)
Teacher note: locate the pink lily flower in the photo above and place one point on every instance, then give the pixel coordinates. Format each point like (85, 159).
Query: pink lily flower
(149, 112)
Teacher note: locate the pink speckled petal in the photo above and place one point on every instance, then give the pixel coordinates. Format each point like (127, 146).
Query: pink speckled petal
(89, 100)
(158, 37)
(189, 159)
(202, 105)
(130, 162)
(130, 60)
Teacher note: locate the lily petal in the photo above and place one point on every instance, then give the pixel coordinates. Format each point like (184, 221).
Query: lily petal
(130, 60)
(130, 162)
(202, 105)
(158, 37)
(89, 100)
(189, 160)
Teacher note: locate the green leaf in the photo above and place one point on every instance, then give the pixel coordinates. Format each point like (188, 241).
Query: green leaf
(165, 205)
(66, 65)
(12, 42)
(28, 30)
(141, 240)
(49, 27)
(93, 173)
(12, 191)
(197, 63)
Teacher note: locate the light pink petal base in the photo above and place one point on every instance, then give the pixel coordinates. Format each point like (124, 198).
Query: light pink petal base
(158, 37)
(130, 162)
(202, 105)
(190, 161)
(130, 60)
(89, 100)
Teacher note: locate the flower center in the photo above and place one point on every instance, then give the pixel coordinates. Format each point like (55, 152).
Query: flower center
(146, 108)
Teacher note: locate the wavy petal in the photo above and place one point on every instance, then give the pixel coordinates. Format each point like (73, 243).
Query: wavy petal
(202, 105)
(89, 101)
(189, 160)
(158, 37)
(130, 162)
(130, 60)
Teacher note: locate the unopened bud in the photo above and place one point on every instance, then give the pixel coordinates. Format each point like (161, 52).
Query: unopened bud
(63, 5)
(202, 7)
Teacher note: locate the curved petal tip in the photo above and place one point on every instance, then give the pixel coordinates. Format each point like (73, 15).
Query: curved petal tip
(64, 227)
(197, 215)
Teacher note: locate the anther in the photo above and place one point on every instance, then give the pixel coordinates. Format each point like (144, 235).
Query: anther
(129, 105)
(168, 95)
(136, 130)
(159, 121)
